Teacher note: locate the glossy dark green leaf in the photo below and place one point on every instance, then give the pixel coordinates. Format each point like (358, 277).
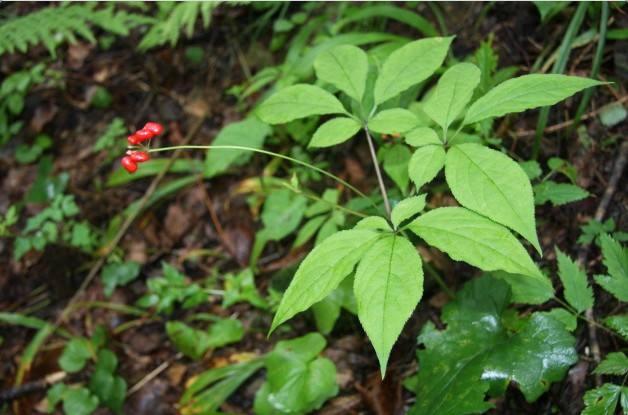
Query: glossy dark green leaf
(459, 364)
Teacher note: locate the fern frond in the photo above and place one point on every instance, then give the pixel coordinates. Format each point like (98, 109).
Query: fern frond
(53, 26)
(180, 17)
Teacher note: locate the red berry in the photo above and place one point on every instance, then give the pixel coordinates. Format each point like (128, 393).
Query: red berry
(154, 128)
(128, 164)
(139, 156)
(133, 140)
(144, 135)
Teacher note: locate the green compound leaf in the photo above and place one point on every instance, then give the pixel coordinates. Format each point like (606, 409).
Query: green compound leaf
(526, 92)
(476, 240)
(335, 131)
(604, 400)
(558, 193)
(578, 293)
(323, 270)
(452, 94)
(492, 184)
(247, 133)
(409, 65)
(345, 67)
(614, 364)
(616, 261)
(425, 164)
(422, 136)
(298, 101)
(298, 380)
(388, 286)
(459, 364)
(407, 208)
(393, 121)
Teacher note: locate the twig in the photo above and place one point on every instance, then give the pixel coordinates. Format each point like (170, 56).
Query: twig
(16, 392)
(153, 374)
(380, 179)
(565, 124)
(618, 168)
(125, 226)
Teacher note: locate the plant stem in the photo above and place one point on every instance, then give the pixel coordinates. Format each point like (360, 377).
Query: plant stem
(268, 153)
(595, 69)
(380, 179)
(559, 67)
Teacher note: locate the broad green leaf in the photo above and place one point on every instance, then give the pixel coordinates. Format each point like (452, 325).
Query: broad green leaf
(282, 214)
(376, 223)
(526, 92)
(613, 364)
(109, 388)
(223, 332)
(298, 101)
(345, 67)
(459, 364)
(407, 208)
(604, 400)
(327, 311)
(395, 165)
(187, 340)
(492, 184)
(250, 132)
(298, 381)
(335, 131)
(75, 354)
(393, 121)
(560, 314)
(532, 168)
(388, 286)
(422, 136)
(409, 65)
(425, 164)
(308, 230)
(619, 324)
(322, 271)
(577, 292)
(79, 401)
(452, 94)
(526, 290)
(118, 274)
(469, 237)
(615, 258)
(558, 193)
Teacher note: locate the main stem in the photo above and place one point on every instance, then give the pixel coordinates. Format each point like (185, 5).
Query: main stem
(380, 179)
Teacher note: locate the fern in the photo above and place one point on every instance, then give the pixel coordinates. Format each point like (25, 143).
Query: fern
(54, 25)
(177, 17)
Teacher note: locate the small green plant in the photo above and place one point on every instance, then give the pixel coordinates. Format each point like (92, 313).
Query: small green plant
(104, 389)
(195, 342)
(298, 380)
(55, 224)
(494, 191)
(13, 92)
(171, 289)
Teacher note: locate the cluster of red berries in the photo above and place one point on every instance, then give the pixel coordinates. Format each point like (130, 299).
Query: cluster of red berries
(129, 162)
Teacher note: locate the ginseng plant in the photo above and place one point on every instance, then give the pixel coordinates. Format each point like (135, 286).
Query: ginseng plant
(496, 204)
